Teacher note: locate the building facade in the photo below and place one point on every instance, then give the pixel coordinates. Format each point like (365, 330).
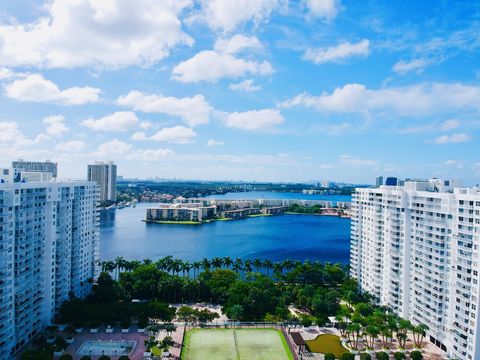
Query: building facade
(49, 249)
(197, 212)
(415, 247)
(105, 175)
(35, 166)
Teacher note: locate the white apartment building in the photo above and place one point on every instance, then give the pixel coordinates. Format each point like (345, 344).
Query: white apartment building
(416, 248)
(105, 175)
(49, 249)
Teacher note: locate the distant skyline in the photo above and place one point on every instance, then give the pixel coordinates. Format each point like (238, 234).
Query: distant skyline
(254, 90)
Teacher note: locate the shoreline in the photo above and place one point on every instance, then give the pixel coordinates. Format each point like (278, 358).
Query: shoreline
(187, 222)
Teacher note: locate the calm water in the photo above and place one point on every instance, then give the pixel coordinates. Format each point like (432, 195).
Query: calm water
(323, 238)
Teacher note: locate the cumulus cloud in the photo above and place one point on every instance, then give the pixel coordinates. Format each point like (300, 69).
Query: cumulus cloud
(449, 124)
(414, 100)
(113, 147)
(149, 154)
(212, 142)
(451, 139)
(212, 66)
(227, 15)
(236, 44)
(71, 146)
(326, 9)
(176, 134)
(193, 110)
(35, 88)
(11, 136)
(55, 125)
(245, 85)
(337, 53)
(100, 33)
(119, 121)
(254, 119)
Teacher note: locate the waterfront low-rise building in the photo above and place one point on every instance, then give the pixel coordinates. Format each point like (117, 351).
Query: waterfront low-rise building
(181, 212)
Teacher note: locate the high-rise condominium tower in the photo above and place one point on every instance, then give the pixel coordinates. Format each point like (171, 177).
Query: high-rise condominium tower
(35, 166)
(48, 251)
(105, 175)
(416, 248)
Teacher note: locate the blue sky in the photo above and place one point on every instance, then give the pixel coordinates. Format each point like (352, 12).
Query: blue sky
(266, 90)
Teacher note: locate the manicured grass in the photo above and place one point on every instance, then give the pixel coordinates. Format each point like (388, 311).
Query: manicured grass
(235, 344)
(175, 222)
(259, 215)
(327, 343)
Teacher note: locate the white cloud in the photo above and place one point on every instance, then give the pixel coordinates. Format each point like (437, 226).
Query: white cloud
(212, 142)
(36, 88)
(355, 162)
(327, 9)
(6, 73)
(55, 125)
(414, 100)
(11, 136)
(113, 147)
(193, 110)
(211, 66)
(119, 121)
(227, 15)
(149, 154)
(236, 44)
(416, 65)
(245, 85)
(254, 119)
(176, 134)
(336, 53)
(451, 139)
(71, 146)
(449, 124)
(109, 34)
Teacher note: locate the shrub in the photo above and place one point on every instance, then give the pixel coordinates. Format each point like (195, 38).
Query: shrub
(329, 356)
(37, 355)
(399, 356)
(85, 357)
(365, 356)
(124, 357)
(104, 357)
(416, 355)
(306, 321)
(66, 357)
(347, 356)
(382, 355)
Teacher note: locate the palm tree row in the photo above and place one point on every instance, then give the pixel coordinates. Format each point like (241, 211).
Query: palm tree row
(186, 268)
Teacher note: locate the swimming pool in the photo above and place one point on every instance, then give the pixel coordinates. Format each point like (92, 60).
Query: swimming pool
(107, 348)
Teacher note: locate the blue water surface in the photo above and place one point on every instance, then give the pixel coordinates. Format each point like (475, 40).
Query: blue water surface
(323, 238)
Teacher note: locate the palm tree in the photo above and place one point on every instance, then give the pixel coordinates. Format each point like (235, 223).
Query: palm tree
(227, 261)
(147, 261)
(258, 264)
(268, 265)
(120, 264)
(196, 267)
(353, 331)
(237, 265)
(418, 335)
(278, 269)
(205, 264)
(108, 266)
(371, 332)
(186, 267)
(217, 262)
(247, 265)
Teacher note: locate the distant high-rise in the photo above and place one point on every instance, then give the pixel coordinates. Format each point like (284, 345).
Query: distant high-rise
(49, 249)
(105, 175)
(379, 181)
(415, 248)
(35, 166)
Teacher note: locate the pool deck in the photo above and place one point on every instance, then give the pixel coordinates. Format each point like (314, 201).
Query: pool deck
(80, 338)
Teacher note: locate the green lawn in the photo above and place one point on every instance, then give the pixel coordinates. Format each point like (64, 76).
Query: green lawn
(238, 344)
(325, 344)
